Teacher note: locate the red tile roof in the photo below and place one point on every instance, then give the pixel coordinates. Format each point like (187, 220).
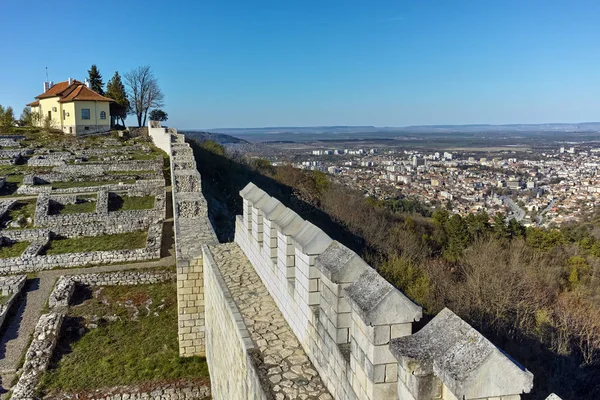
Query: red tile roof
(57, 89)
(34, 103)
(81, 93)
(73, 92)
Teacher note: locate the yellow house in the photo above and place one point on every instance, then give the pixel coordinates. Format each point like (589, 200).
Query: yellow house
(73, 107)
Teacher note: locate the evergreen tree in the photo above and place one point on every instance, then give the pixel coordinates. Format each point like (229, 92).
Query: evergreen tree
(478, 224)
(515, 228)
(440, 217)
(500, 228)
(116, 90)
(458, 237)
(26, 117)
(7, 118)
(96, 80)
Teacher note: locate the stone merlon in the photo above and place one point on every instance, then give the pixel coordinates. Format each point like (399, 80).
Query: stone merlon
(379, 303)
(273, 208)
(310, 239)
(340, 264)
(288, 222)
(463, 359)
(253, 194)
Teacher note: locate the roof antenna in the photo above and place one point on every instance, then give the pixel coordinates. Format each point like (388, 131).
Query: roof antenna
(46, 74)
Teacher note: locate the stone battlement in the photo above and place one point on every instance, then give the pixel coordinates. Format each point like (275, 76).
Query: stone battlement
(354, 328)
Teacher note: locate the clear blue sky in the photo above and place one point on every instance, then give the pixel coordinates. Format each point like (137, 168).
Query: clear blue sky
(243, 63)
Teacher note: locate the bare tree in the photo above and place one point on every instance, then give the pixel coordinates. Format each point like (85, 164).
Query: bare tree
(143, 92)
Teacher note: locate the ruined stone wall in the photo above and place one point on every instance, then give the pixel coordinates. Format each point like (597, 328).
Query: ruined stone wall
(114, 187)
(70, 231)
(31, 261)
(99, 169)
(228, 344)
(10, 286)
(44, 218)
(39, 354)
(136, 132)
(179, 391)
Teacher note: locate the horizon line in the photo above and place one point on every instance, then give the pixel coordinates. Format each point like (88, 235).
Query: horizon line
(389, 126)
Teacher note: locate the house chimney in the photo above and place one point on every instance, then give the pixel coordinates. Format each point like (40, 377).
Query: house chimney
(88, 84)
(70, 81)
(48, 85)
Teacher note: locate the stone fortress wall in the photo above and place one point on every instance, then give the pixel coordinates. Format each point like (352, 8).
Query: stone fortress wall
(230, 351)
(355, 327)
(192, 229)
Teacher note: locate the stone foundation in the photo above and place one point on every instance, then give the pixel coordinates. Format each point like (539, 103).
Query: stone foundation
(48, 328)
(10, 286)
(30, 261)
(176, 391)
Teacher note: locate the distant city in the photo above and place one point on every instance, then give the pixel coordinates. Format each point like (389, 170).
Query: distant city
(540, 175)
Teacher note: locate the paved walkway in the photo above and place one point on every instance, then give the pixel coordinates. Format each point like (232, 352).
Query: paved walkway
(290, 373)
(17, 335)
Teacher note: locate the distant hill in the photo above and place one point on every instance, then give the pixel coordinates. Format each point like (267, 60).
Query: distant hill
(350, 130)
(217, 137)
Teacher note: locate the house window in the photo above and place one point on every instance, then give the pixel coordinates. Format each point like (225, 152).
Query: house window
(102, 115)
(85, 113)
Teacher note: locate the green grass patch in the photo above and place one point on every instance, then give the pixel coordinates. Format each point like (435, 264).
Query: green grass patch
(20, 212)
(13, 249)
(130, 349)
(84, 204)
(4, 299)
(66, 185)
(119, 241)
(143, 155)
(128, 203)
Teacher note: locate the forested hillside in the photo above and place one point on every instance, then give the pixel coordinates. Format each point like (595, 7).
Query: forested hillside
(533, 292)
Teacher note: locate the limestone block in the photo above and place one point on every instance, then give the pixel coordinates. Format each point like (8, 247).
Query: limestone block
(311, 240)
(377, 302)
(468, 364)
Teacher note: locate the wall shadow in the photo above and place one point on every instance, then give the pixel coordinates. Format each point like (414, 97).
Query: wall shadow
(222, 180)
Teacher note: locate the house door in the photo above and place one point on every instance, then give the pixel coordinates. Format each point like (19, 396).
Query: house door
(50, 114)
